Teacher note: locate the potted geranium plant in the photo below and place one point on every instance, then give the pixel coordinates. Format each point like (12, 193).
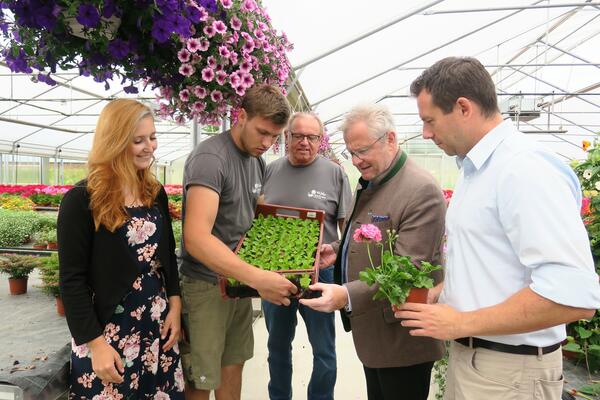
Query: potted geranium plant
(398, 279)
(201, 54)
(18, 268)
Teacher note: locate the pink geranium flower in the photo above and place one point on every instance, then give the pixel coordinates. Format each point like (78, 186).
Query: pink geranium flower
(367, 233)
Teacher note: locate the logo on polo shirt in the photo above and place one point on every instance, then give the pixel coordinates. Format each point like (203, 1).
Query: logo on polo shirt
(257, 187)
(315, 194)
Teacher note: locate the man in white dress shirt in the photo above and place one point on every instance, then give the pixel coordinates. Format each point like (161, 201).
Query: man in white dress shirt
(519, 264)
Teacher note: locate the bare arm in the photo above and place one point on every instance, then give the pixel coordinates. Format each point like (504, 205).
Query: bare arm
(201, 211)
(525, 311)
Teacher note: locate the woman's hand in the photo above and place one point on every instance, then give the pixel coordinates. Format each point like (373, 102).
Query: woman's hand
(105, 361)
(172, 325)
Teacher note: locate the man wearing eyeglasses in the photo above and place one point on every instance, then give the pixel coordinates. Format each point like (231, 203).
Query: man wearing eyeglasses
(307, 180)
(393, 193)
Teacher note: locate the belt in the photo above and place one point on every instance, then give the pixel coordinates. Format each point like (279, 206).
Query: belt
(507, 348)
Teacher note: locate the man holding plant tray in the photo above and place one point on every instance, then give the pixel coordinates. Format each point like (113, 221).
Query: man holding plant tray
(222, 181)
(519, 264)
(398, 198)
(307, 180)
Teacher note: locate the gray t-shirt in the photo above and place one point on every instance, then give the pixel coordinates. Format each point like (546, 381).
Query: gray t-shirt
(321, 185)
(237, 177)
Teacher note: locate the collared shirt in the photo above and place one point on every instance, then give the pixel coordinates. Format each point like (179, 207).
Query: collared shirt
(514, 222)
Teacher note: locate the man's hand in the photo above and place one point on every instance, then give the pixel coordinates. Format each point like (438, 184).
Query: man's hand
(326, 256)
(172, 324)
(439, 321)
(273, 287)
(333, 297)
(106, 361)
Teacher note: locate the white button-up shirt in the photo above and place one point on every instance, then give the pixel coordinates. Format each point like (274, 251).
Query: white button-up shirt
(514, 222)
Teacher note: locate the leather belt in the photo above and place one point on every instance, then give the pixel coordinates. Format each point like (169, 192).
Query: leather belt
(508, 348)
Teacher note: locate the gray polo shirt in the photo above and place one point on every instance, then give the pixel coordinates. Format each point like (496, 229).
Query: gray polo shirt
(321, 185)
(237, 178)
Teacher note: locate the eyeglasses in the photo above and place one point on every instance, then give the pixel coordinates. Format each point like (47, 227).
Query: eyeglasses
(298, 137)
(362, 152)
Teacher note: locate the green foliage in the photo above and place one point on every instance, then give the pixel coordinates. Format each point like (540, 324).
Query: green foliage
(439, 374)
(276, 244)
(49, 272)
(18, 266)
(397, 274)
(584, 339)
(281, 244)
(46, 200)
(16, 227)
(177, 226)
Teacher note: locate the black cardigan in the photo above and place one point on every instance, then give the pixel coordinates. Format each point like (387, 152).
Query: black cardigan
(96, 268)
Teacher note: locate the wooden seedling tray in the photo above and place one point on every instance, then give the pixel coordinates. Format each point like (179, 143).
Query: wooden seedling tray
(242, 290)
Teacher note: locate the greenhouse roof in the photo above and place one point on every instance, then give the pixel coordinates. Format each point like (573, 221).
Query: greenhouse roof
(542, 55)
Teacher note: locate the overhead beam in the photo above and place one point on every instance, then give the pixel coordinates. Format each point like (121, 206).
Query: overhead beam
(510, 8)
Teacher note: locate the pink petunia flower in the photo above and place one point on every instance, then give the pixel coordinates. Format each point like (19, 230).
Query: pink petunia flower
(224, 52)
(219, 27)
(193, 45)
(248, 5)
(367, 233)
(184, 95)
(186, 70)
(226, 3)
(200, 92)
(221, 77)
(183, 55)
(216, 96)
(209, 31)
(204, 44)
(208, 74)
(198, 106)
(236, 24)
(212, 62)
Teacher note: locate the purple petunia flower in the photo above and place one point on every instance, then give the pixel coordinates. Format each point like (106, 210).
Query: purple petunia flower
(18, 63)
(194, 14)
(130, 89)
(209, 5)
(208, 74)
(118, 48)
(109, 9)
(162, 29)
(88, 15)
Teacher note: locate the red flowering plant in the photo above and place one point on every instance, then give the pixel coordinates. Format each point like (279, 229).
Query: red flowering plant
(396, 275)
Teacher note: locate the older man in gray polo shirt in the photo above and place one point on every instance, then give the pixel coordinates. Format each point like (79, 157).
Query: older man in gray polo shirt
(307, 180)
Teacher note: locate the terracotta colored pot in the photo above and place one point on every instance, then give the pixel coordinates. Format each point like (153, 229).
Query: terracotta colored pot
(60, 308)
(52, 246)
(416, 295)
(39, 246)
(17, 285)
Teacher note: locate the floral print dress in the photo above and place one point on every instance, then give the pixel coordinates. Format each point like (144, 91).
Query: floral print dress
(134, 328)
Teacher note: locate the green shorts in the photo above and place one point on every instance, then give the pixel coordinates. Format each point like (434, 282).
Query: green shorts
(218, 331)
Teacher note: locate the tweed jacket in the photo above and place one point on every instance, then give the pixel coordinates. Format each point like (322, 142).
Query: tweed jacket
(96, 267)
(408, 199)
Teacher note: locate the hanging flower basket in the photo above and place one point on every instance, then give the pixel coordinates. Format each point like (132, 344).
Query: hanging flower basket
(201, 55)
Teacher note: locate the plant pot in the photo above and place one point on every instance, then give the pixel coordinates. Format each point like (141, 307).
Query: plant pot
(39, 246)
(416, 295)
(52, 246)
(17, 285)
(60, 308)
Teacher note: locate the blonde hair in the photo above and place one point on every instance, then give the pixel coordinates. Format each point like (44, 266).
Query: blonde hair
(111, 167)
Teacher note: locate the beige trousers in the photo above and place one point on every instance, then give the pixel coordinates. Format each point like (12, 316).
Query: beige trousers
(482, 374)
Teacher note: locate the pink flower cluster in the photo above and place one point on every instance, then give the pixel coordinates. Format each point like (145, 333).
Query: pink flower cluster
(28, 190)
(222, 60)
(173, 189)
(367, 233)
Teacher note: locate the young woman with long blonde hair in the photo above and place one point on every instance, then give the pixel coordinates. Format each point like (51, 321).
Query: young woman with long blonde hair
(118, 270)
